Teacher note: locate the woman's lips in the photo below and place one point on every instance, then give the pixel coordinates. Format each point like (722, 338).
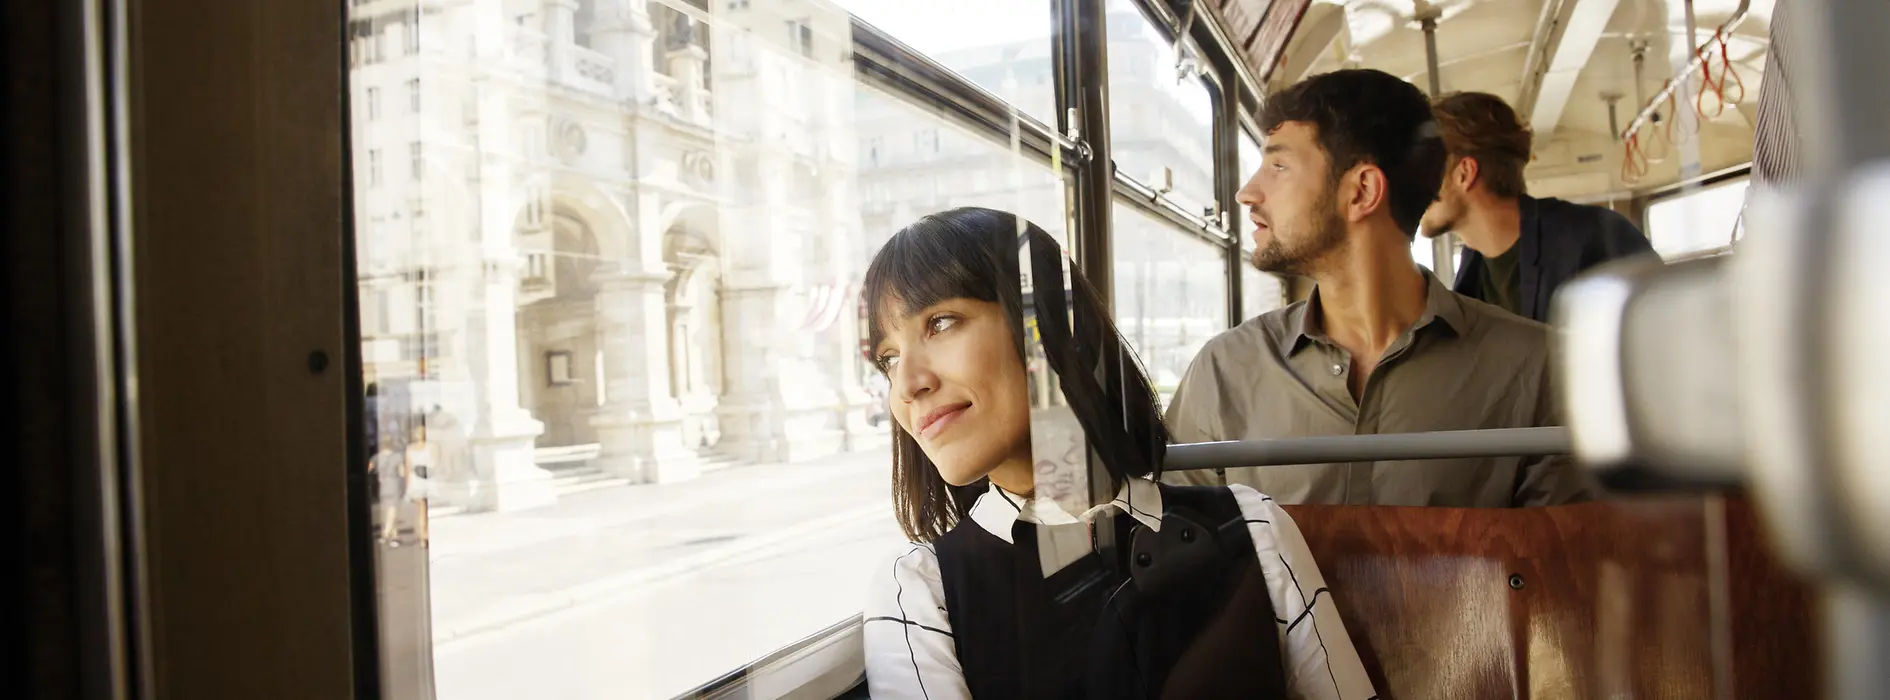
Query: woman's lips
(941, 418)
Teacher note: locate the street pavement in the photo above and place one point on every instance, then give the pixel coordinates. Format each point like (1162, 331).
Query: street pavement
(641, 591)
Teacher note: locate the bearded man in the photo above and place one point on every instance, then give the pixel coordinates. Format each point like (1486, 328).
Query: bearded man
(1350, 161)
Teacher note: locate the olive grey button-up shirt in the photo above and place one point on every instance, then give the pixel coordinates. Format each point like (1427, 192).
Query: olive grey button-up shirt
(1463, 365)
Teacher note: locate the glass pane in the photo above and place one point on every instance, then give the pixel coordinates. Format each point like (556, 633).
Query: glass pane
(1001, 45)
(1260, 292)
(911, 163)
(1248, 151)
(1160, 113)
(1171, 294)
(624, 436)
(1698, 220)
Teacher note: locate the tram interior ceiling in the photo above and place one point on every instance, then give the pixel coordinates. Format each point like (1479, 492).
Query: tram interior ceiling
(554, 375)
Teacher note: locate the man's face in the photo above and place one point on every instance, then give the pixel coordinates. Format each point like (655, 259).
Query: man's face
(1291, 202)
(1445, 213)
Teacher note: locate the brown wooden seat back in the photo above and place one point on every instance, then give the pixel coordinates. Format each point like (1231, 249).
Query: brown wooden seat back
(1671, 598)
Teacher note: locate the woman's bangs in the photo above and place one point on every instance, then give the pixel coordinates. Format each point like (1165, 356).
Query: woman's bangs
(914, 270)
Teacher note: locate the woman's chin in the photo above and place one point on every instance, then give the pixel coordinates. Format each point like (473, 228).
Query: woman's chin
(958, 474)
(958, 479)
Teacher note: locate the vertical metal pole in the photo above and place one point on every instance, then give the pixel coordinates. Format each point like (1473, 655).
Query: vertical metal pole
(1227, 179)
(1081, 64)
(79, 113)
(1442, 262)
(1430, 56)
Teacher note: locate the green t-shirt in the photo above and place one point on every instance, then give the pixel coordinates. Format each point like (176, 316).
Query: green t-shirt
(1498, 282)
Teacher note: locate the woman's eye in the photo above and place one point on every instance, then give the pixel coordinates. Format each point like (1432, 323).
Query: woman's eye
(940, 324)
(887, 362)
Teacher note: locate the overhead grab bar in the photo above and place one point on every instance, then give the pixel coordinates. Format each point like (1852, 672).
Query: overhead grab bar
(1693, 64)
(1451, 444)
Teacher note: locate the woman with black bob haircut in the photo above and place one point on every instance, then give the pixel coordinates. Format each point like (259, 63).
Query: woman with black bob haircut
(1160, 591)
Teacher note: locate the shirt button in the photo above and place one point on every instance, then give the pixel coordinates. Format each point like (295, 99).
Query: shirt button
(1338, 370)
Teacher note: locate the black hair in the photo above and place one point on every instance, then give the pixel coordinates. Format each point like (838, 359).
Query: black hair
(1370, 116)
(973, 253)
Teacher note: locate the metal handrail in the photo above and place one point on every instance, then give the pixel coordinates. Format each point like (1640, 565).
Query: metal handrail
(1451, 444)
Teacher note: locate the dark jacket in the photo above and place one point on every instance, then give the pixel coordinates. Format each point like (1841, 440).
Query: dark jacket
(1559, 240)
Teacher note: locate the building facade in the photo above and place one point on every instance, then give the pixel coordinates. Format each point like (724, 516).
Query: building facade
(629, 234)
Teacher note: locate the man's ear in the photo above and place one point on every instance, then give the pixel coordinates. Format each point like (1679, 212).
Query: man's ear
(1362, 191)
(1467, 172)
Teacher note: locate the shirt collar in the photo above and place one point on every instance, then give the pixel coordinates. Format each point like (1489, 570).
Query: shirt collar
(1304, 324)
(997, 511)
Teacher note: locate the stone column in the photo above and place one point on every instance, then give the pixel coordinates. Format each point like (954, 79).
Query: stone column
(752, 411)
(624, 33)
(506, 477)
(640, 424)
(504, 435)
(692, 92)
(560, 38)
(783, 390)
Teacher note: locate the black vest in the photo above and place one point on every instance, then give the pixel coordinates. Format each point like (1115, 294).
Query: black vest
(1183, 613)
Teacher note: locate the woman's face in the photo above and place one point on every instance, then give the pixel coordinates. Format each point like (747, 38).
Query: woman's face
(958, 386)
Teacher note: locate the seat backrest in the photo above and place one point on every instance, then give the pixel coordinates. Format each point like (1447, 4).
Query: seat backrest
(1668, 598)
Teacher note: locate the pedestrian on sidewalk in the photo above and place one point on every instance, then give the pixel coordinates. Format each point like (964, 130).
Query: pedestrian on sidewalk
(421, 456)
(388, 468)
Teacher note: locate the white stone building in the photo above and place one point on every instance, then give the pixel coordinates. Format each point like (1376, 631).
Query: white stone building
(628, 234)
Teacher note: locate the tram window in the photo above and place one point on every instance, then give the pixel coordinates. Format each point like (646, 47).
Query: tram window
(1001, 45)
(1171, 294)
(1698, 220)
(631, 437)
(1161, 128)
(950, 168)
(1260, 292)
(1249, 154)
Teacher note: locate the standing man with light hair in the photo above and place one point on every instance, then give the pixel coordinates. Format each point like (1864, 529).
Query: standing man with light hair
(1519, 249)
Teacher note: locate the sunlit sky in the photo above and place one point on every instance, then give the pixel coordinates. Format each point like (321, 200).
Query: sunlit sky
(939, 26)
(935, 26)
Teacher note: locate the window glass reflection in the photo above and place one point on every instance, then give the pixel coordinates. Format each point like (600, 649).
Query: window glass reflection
(1171, 294)
(1160, 111)
(624, 436)
(1001, 45)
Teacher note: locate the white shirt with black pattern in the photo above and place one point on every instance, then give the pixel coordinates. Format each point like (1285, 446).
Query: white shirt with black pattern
(910, 652)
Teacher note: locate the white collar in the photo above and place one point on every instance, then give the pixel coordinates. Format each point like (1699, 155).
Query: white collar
(997, 510)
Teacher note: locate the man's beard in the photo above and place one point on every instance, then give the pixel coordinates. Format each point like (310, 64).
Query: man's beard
(1326, 234)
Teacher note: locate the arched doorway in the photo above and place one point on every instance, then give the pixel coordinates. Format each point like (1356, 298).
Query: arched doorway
(557, 328)
(694, 315)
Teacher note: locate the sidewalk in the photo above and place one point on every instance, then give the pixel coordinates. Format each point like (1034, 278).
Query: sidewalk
(489, 571)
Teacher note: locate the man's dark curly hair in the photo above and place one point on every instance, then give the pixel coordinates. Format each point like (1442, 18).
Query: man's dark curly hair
(1369, 116)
